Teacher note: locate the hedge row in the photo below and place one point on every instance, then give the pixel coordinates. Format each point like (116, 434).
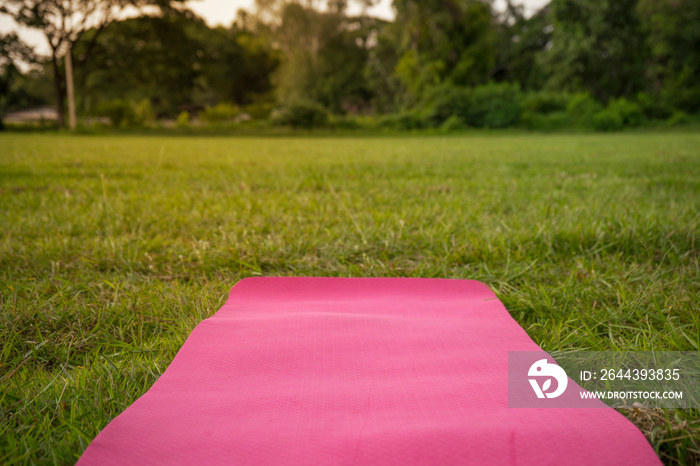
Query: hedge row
(446, 107)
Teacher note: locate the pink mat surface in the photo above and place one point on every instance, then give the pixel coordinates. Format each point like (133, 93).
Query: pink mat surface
(371, 371)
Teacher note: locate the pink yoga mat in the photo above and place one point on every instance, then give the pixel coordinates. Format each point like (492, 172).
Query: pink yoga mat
(367, 371)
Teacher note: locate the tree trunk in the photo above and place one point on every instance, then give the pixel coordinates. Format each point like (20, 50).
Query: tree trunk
(2, 105)
(69, 87)
(60, 89)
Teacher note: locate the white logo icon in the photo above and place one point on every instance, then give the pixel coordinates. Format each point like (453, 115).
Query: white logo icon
(542, 368)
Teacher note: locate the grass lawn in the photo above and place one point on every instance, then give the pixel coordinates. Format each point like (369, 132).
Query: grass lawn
(112, 248)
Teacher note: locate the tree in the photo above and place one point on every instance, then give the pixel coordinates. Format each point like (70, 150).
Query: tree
(385, 87)
(522, 41)
(141, 58)
(12, 52)
(672, 29)
(237, 63)
(63, 23)
(598, 46)
(176, 62)
(444, 41)
(342, 84)
(324, 52)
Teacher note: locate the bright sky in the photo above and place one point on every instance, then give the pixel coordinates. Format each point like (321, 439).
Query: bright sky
(223, 12)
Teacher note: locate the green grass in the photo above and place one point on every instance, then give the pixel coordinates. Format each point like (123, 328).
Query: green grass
(113, 248)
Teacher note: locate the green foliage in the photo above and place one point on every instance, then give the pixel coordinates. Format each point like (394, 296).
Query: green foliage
(443, 102)
(653, 107)
(12, 51)
(403, 121)
(259, 110)
(598, 47)
(582, 108)
(143, 112)
(490, 106)
(630, 113)
(607, 120)
(173, 61)
(678, 118)
(33, 88)
(141, 58)
(683, 93)
(122, 113)
(388, 92)
(453, 123)
(443, 42)
(547, 111)
(494, 106)
(672, 31)
(236, 65)
(544, 102)
(220, 113)
(183, 119)
(65, 24)
(341, 83)
(554, 121)
(621, 48)
(324, 56)
(585, 111)
(118, 111)
(522, 40)
(345, 122)
(432, 59)
(301, 114)
(638, 59)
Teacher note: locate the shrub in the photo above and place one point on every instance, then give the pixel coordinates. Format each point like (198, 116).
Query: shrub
(607, 120)
(491, 106)
(494, 106)
(654, 108)
(630, 113)
(259, 110)
(143, 112)
(443, 102)
(118, 111)
(220, 113)
(683, 92)
(344, 122)
(403, 121)
(678, 118)
(301, 114)
(183, 119)
(582, 108)
(545, 102)
(546, 122)
(453, 123)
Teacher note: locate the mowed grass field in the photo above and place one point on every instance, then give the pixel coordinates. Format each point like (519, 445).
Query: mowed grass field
(112, 249)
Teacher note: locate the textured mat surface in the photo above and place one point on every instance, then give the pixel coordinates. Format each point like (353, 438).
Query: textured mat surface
(370, 371)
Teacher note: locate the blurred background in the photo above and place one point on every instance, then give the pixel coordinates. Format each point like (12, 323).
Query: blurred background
(404, 64)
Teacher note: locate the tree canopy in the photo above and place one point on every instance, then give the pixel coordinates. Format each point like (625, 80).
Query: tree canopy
(315, 52)
(12, 51)
(64, 22)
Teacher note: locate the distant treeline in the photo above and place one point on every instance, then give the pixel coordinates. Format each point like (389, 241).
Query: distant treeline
(449, 64)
